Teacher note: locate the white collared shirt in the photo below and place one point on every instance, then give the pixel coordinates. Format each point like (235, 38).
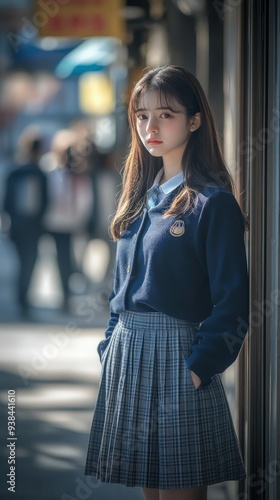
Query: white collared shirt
(167, 186)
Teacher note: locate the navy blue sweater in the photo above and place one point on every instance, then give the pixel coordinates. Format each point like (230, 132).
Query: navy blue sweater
(191, 267)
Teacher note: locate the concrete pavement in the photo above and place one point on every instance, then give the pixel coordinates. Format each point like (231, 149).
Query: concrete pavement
(54, 372)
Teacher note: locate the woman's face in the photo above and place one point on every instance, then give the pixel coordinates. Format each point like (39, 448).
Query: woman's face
(164, 131)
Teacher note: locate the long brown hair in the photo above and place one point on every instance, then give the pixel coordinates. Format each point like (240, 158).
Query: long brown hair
(203, 162)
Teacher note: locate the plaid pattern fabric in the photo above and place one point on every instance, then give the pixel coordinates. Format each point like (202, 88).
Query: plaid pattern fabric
(151, 428)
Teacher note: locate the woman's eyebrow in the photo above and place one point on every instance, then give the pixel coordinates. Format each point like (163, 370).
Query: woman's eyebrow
(159, 108)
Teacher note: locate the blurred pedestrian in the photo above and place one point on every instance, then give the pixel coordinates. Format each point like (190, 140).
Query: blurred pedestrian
(70, 205)
(104, 180)
(25, 201)
(179, 306)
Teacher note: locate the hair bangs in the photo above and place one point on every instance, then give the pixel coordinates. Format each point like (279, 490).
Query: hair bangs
(166, 96)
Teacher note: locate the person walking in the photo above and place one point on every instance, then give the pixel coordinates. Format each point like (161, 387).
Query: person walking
(179, 305)
(70, 206)
(26, 201)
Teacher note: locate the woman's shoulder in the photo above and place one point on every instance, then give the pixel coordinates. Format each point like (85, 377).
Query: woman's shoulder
(216, 198)
(218, 206)
(212, 190)
(215, 194)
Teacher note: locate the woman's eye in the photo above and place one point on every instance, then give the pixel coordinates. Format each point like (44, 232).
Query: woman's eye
(165, 115)
(141, 117)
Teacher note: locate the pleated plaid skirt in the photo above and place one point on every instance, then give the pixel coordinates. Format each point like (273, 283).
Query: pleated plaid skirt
(151, 427)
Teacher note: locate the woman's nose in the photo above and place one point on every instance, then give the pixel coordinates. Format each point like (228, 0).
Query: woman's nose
(152, 126)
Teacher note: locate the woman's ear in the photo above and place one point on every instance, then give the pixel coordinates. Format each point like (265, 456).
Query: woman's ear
(195, 122)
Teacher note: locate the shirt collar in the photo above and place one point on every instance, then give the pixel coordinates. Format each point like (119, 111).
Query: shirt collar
(169, 185)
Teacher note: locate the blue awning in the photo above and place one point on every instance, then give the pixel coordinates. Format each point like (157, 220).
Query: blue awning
(43, 54)
(94, 54)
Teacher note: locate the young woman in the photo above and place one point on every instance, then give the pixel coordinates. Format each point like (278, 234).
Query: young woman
(179, 306)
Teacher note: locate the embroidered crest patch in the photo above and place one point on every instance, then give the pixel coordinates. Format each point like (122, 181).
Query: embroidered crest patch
(177, 228)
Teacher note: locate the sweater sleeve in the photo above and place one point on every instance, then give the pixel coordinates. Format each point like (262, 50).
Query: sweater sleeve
(221, 248)
(109, 330)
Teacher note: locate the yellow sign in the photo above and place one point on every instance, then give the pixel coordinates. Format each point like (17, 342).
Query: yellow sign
(79, 18)
(96, 93)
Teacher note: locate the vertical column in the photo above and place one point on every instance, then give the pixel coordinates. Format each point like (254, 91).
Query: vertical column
(260, 158)
(271, 141)
(250, 39)
(235, 148)
(181, 38)
(255, 119)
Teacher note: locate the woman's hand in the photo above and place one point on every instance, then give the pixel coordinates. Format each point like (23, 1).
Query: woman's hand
(196, 380)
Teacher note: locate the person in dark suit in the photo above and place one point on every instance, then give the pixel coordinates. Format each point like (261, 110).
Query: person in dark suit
(25, 202)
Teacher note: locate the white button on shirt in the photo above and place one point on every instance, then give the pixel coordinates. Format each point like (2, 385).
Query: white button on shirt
(166, 187)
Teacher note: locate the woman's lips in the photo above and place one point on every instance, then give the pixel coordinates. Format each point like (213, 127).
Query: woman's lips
(154, 141)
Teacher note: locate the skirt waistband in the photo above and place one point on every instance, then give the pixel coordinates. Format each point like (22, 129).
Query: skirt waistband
(132, 319)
